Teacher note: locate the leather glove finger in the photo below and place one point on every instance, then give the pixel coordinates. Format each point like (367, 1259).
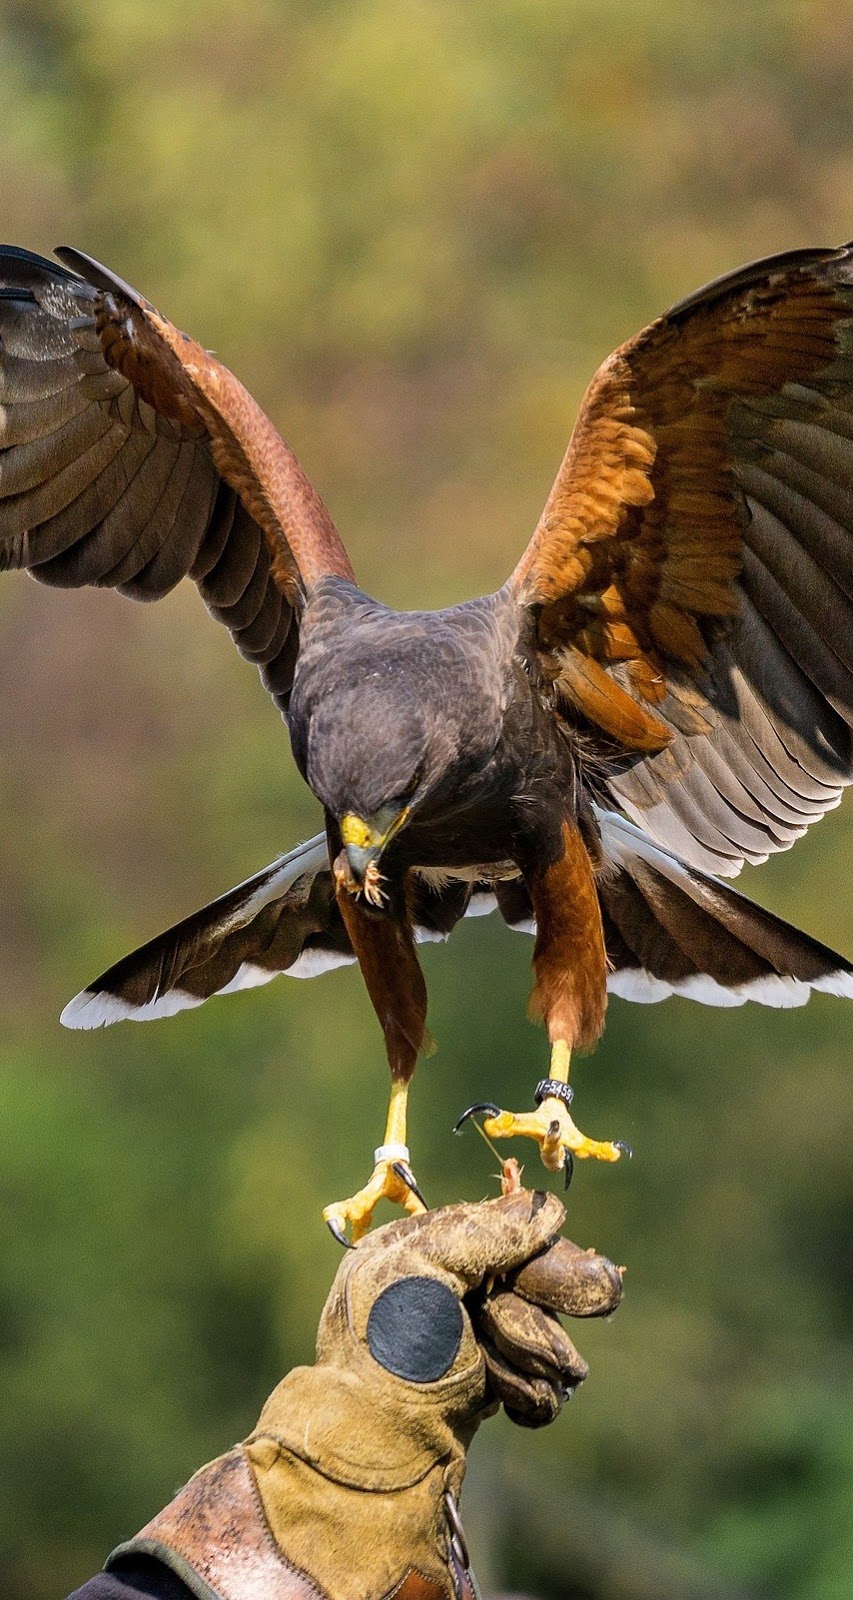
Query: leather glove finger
(531, 1361)
(575, 1282)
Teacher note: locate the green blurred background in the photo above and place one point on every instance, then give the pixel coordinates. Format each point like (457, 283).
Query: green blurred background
(413, 227)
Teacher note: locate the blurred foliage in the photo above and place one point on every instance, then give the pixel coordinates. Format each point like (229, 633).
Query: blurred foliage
(413, 228)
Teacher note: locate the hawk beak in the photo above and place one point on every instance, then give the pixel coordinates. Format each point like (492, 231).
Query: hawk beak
(365, 840)
(359, 859)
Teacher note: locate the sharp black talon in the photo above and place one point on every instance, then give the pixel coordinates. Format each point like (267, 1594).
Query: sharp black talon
(337, 1232)
(625, 1148)
(479, 1105)
(569, 1165)
(409, 1180)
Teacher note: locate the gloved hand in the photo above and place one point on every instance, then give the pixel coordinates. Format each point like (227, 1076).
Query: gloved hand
(347, 1488)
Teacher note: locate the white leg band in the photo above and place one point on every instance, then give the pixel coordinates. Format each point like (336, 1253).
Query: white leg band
(391, 1152)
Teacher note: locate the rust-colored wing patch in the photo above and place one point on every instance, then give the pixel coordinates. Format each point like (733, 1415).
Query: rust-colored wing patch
(606, 472)
(637, 566)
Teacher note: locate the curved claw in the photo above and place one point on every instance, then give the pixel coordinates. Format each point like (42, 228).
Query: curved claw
(337, 1232)
(619, 1144)
(407, 1177)
(479, 1105)
(569, 1166)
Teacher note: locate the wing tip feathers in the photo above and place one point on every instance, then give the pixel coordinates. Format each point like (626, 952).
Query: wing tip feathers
(93, 1008)
(779, 990)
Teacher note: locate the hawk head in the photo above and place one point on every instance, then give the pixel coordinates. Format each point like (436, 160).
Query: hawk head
(372, 758)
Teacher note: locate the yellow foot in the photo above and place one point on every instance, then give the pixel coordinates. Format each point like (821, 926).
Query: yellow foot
(552, 1127)
(392, 1180)
(555, 1133)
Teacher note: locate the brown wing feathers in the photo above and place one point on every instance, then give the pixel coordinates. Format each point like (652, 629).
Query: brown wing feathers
(693, 560)
(131, 458)
(567, 570)
(668, 930)
(184, 382)
(672, 930)
(284, 919)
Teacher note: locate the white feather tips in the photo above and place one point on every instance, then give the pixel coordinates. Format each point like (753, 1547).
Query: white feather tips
(839, 983)
(773, 990)
(98, 1010)
(314, 961)
(247, 977)
(481, 904)
(92, 1010)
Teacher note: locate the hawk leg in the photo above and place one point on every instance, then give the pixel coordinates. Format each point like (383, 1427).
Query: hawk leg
(570, 994)
(390, 1179)
(550, 1124)
(395, 983)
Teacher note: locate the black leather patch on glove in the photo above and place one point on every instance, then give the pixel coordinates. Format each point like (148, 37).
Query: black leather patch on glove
(415, 1329)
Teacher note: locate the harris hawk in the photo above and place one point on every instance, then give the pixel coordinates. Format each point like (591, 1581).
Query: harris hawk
(661, 691)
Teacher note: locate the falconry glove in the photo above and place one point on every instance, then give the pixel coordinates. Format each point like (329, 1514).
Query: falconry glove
(347, 1487)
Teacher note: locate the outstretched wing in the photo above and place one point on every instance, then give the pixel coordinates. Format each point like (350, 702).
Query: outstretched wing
(668, 930)
(688, 592)
(283, 919)
(130, 457)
